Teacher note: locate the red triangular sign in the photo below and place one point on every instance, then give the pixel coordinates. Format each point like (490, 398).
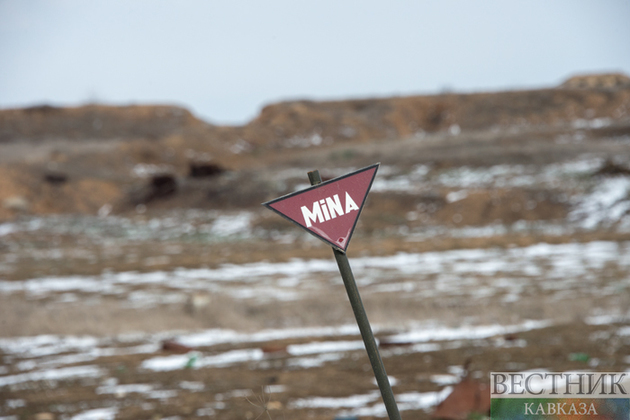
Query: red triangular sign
(329, 210)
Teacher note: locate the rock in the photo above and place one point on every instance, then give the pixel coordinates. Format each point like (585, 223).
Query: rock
(274, 349)
(55, 178)
(196, 302)
(44, 416)
(612, 168)
(274, 405)
(204, 169)
(105, 210)
(594, 81)
(161, 185)
(175, 347)
(16, 203)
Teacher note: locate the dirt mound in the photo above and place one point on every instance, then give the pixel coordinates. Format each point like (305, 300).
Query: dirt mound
(93, 122)
(51, 157)
(303, 124)
(38, 193)
(590, 81)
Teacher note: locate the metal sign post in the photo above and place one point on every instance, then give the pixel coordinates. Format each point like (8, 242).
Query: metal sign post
(289, 209)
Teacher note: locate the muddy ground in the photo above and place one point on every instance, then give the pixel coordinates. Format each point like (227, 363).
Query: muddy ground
(506, 246)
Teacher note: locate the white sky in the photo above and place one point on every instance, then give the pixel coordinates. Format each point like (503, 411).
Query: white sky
(224, 60)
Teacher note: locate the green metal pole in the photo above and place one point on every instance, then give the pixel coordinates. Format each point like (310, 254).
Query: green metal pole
(364, 324)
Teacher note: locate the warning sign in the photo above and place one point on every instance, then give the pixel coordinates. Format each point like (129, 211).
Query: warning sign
(329, 210)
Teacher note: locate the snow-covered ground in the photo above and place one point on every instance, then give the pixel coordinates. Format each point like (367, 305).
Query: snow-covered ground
(563, 270)
(52, 359)
(562, 274)
(483, 276)
(593, 202)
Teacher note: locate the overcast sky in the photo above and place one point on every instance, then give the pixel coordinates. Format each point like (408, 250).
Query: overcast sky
(224, 60)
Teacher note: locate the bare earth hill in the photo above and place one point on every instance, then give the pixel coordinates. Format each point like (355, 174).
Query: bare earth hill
(114, 151)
